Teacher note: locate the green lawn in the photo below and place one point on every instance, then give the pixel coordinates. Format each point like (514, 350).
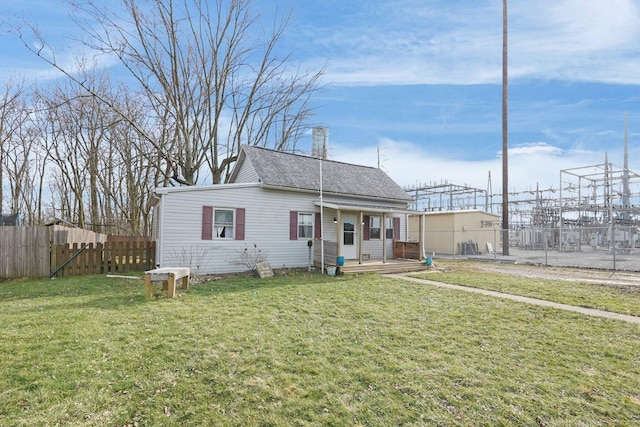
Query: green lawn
(623, 299)
(306, 350)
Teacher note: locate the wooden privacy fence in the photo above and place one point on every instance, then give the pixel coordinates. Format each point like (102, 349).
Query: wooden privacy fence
(103, 258)
(29, 252)
(24, 252)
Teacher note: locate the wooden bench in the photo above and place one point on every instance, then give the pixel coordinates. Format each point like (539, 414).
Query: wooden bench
(168, 276)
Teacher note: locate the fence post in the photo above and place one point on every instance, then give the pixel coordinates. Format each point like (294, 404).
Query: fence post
(138, 255)
(546, 243)
(495, 248)
(115, 257)
(53, 251)
(98, 258)
(127, 259)
(613, 240)
(107, 256)
(121, 253)
(60, 249)
(93, 268)
(73, 264)
(123, 257)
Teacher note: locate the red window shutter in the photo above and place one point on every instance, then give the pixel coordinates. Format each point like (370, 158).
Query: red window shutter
(396, 228)
(366, 234)
(207, 222)
(240, 214)
(293, 225)
(318, 231)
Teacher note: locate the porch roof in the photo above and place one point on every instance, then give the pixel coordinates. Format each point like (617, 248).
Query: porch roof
(368, 208)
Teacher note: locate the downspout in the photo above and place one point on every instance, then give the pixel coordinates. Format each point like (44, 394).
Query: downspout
(360, 237)
(339, 234)
(321, 223)
(160, 225)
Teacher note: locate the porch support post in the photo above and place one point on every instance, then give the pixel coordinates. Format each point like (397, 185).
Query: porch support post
(384, 237)
(361, 237)
(339, 233)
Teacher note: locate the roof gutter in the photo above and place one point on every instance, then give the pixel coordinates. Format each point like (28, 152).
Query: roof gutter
(366, 208)
(167, 190)
(330, 193)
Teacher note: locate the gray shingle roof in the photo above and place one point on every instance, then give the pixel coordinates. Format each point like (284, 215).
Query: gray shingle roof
(281, 169)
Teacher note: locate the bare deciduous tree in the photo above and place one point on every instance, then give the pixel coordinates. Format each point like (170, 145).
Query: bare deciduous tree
(202, 77)
(129, 175)
(211, 76)
(99, 181)
(13, 115)
(67, 126)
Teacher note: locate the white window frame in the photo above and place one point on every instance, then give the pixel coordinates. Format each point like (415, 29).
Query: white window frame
(373, 219)
(309, 226)
(389, 227)
(214, 230)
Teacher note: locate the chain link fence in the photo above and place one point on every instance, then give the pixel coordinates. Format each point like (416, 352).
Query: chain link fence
(612, 247)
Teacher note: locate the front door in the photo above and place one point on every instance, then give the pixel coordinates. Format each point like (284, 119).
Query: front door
(349, 241)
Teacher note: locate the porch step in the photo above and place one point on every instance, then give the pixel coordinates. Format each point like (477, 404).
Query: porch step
(384, 268)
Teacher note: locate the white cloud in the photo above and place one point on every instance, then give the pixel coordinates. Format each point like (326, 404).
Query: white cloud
(593, 26)
(35, 28)
(410, 164)
(394, 42)
(416, 42)
(577, 41)
(534, 148)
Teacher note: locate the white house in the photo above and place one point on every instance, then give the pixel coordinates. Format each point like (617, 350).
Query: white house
(276, 202)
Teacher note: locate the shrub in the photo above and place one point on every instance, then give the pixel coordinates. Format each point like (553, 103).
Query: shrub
(249, 257)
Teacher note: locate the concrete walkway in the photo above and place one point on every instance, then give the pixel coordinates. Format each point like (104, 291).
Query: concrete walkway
(535, 301)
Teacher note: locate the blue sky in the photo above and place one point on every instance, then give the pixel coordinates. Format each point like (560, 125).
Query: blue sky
(420, 81)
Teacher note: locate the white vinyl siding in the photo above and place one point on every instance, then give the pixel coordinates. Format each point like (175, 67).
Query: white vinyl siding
(266, 220)
(246, 173)
(266, 226)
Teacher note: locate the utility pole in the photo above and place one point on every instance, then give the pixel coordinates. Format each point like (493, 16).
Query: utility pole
(505, 135)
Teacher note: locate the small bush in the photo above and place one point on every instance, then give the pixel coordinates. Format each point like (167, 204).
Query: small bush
(249, 258)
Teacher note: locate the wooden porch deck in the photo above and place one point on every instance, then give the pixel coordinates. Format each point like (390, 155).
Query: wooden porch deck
(377, 266)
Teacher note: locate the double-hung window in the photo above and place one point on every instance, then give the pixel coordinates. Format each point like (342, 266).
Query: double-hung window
(305, 225)
(374, 227)
(389, 228)
(223, 224)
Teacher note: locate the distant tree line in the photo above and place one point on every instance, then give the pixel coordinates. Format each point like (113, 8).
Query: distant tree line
(202, 78)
